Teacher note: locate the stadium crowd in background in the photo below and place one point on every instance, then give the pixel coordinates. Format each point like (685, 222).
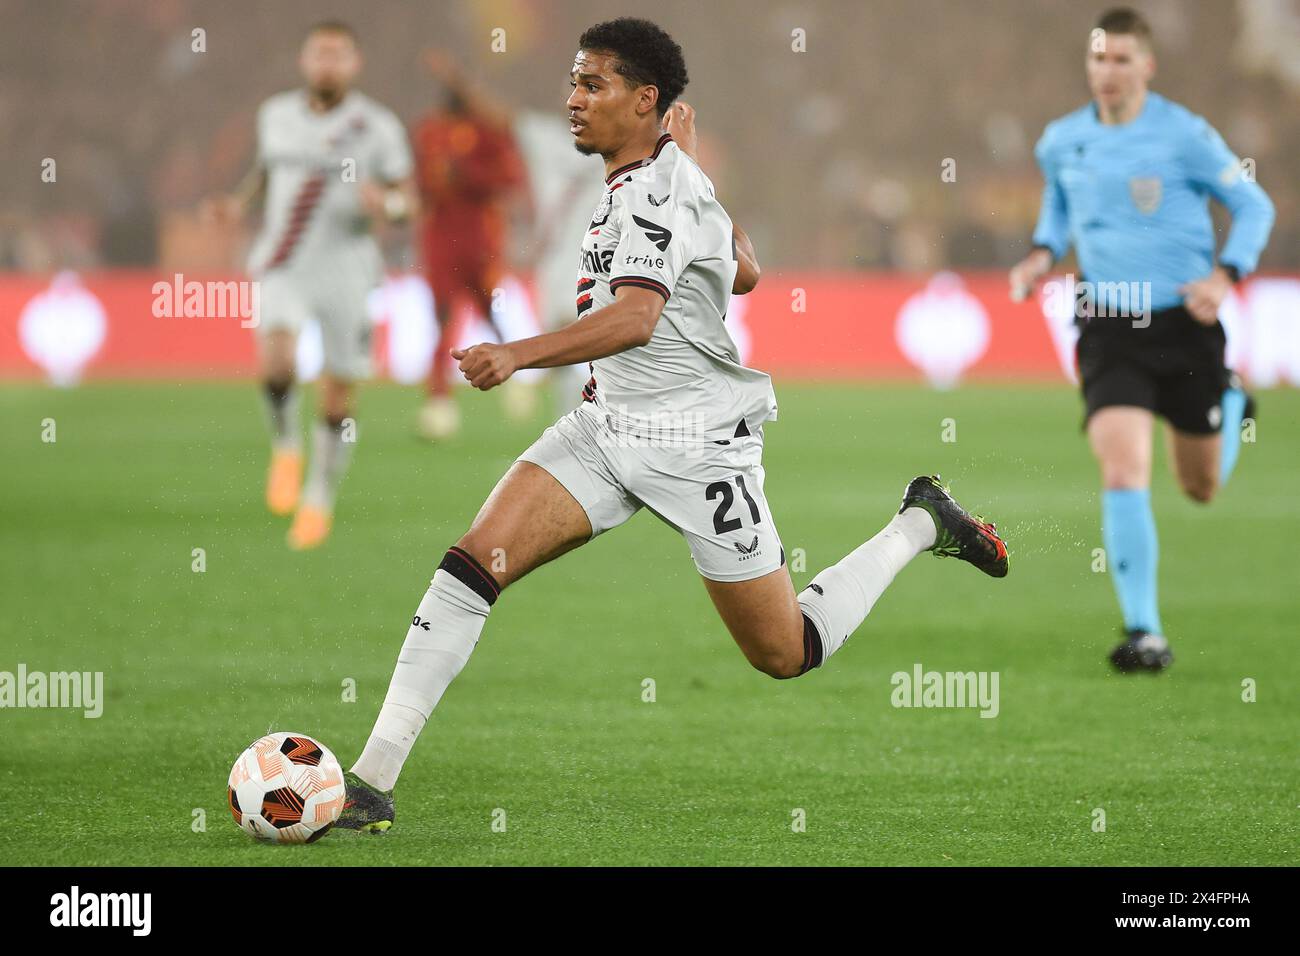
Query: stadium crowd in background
(865, 122)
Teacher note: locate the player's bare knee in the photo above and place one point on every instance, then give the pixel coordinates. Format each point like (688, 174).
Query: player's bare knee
(1123, 478)
(335, 405)
(780, 661)
(777, 664)
(278, 384)
(792, 658)
(1200, 488)
(278, 357)
(335, 408)
(278, 371)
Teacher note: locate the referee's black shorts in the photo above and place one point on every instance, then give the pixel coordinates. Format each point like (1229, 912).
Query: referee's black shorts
(1174, 367)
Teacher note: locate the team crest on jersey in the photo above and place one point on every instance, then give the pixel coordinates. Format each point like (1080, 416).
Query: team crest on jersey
(1146, 193)
(601, 215)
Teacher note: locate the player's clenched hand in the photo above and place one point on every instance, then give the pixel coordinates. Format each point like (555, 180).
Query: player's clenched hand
(372, 199)
(679, 123)
(1204, 296)
(486, 365)
(1026, 272)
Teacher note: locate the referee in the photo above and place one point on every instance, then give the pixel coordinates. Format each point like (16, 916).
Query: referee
(1127, 181)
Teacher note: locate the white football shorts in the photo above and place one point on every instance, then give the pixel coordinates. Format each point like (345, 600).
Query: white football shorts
(710, 492)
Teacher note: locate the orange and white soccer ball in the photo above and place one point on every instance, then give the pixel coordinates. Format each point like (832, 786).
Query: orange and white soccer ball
(286, 788)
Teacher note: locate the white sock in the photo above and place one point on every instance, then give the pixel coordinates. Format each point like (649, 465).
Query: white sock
(282, 416)
(429, 662)
(840, 597)
(330, 455)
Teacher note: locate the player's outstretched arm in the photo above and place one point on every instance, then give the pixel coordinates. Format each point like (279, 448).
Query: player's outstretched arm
(1052, 232)
(1216, 168)
(232, 207)
(626, 323)
(1026, 273)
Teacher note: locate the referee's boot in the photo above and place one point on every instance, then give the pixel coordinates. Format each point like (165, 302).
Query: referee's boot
(1142, 651)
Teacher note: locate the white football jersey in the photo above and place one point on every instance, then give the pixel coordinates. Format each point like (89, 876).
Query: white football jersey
(315, 163)
(660, 227)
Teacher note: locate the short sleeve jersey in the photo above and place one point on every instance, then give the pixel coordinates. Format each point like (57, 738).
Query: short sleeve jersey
(315, 163)
(659, 227)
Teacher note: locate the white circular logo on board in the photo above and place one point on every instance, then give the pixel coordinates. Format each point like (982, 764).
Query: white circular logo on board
(943, 330)
(62, 328)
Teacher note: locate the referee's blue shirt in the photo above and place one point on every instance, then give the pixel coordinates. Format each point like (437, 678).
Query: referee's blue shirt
(1132, 198)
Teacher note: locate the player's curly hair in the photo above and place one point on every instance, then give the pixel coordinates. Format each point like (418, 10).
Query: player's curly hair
(645, 54)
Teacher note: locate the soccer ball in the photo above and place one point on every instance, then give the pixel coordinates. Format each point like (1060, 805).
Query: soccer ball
(286, 788)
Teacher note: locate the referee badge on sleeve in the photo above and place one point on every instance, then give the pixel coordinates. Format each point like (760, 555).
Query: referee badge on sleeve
(1145, 191)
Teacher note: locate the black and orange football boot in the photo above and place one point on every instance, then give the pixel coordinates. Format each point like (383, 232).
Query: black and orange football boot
(958, 534)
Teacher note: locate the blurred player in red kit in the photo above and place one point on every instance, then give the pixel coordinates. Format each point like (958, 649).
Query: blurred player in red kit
(469, 171)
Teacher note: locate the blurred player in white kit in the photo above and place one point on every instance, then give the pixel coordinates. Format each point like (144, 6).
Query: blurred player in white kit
(330, 161)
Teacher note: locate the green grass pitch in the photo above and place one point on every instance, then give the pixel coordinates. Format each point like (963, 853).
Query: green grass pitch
(547, 723)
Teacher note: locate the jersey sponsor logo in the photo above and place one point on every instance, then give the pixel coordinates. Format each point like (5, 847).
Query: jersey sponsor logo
(1146, 192)
(658, 202)
(597, 260)
(656, 233)
(650, 262)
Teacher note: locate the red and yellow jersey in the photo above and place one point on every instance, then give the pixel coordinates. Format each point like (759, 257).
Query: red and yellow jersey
(466, 169)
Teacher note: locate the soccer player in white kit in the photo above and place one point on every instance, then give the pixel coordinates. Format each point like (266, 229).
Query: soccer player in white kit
(670, 420)
(330, 161)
